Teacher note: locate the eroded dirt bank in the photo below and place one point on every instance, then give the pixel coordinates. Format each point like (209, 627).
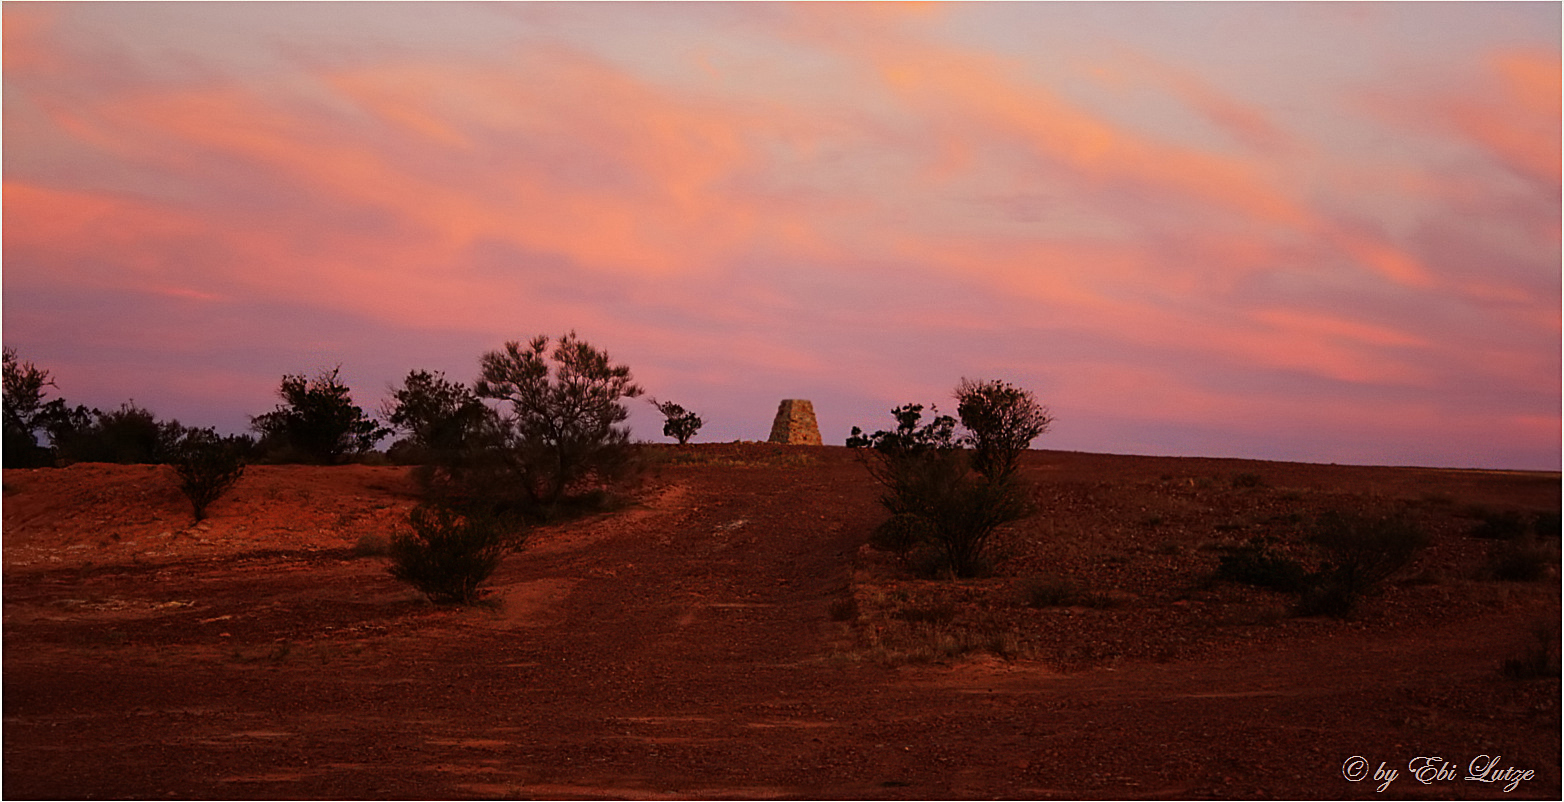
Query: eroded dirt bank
(702, 645)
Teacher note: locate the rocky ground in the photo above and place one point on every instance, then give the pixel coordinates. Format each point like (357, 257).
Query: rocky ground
(730, 635)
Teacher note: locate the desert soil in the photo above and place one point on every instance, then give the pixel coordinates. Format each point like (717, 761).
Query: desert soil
(730, 635)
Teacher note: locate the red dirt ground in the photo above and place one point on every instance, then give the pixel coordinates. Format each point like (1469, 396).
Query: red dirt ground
(730, 636)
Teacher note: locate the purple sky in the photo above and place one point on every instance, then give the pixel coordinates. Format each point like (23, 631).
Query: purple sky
(1319, 232)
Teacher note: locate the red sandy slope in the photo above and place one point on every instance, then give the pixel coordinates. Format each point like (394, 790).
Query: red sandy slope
(701, 644)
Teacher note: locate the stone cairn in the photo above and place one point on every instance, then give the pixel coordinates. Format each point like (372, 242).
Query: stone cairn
(795, 424)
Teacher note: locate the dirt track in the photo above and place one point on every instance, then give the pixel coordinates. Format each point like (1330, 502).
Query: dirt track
(687, 648)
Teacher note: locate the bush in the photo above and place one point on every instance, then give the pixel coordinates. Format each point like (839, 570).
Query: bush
(934, 497)
(1523, 560)
(207, 466)
(843, 609)
(1360, 553)
(1499, 525)
(900, 533)
(447, 554)
(1255, 563)
(681, 423)
(942, 493)
(1002, 421)
(27, 414)
(1039, 593)
(318, 422)
(566, 410)
(1247, 480)
(129, 435)
(372, 544)
(440, 417)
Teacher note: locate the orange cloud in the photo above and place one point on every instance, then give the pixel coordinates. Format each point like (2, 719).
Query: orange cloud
(1523, 125)
(1512, 110)
(27, 27)
(975, 100)
(668, 202)
(71, 226)
(1313, 326)
(1243, 122)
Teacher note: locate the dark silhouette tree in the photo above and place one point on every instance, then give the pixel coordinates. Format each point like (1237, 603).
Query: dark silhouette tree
(439, 416)
(566, 412)
(129, 435)
(318, 421)
(207, 466)
(940, 492)
(681, 424)
(27, 413)
(24, 385)
(1002, 421)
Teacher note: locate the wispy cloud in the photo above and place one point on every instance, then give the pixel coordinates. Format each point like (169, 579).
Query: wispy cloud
(868, 204)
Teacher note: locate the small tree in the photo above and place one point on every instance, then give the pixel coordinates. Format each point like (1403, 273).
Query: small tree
(130, 435)
(681, 424)
(26, 413)
(940, 492)
(207, 466)
(932, 494)
(1003, 421)
(439, 416)
(1360, 553)
(318, 421)
(447, 554)
(566, 412)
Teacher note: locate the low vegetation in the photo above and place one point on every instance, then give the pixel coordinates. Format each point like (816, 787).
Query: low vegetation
(948, 494)
(446, 554)
(317, 422)
(207, 465)
(680, 424)
(1354, 555)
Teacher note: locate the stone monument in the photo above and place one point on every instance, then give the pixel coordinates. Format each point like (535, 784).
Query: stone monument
(795, 424)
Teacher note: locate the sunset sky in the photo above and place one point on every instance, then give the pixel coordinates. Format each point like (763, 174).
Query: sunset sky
(1312, 232)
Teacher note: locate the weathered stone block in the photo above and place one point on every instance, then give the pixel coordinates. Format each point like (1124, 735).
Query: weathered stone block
(795, 424)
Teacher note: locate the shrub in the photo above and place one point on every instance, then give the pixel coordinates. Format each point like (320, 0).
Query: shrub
(1255, 563)
(207, 466)
(1247, 480)
(1523, 560)
(1039, 593)
(900, 533)
(1360, 553)
(129, 435)
(681, 424)
(318, 422)
(1002, 421)
(565, 418)
(447, 554)
(372, 544)
(947, 496)
(843, 609)
(1499, 525)
(440, 417)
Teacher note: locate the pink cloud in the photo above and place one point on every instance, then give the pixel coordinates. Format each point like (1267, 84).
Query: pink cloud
(934, 211)
(28, 28)
(1509, 108)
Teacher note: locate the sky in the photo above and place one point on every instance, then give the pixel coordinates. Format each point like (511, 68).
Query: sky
(1304, 232)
